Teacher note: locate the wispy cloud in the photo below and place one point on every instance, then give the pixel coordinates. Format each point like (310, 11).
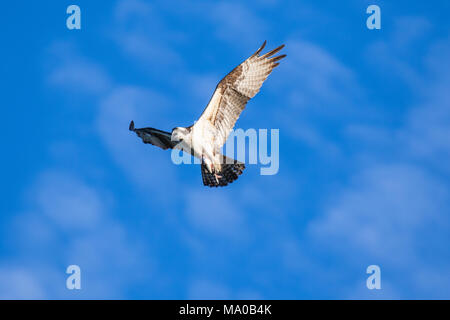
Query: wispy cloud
(384, 216)
(427, 127)
(148, 168)
(72, 224)
(392, 54)
(317, 88)
(235, 22)
(72, 72)
(67, 202)
(144, 36)
(319, 78)
(19, 283)
(386, 206)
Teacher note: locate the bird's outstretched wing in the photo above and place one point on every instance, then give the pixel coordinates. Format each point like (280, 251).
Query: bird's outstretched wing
(233, 92)
(153, 136)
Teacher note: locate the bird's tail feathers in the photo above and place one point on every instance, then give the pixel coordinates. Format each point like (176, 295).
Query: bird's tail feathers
(230, 170)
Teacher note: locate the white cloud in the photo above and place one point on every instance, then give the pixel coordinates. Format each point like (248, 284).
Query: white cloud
(144, 36)
(408, 30)
(234, 22)
(67, 201)
(393, 212)
(70, 222)
(391, 55)
(316, 86)
(151, 53)
(131, 10)
(428, 124)
(149, 167)
(117, 106)
(317, 79)
(384, 215)
(19, 283)
(71, 72)
(80, 76)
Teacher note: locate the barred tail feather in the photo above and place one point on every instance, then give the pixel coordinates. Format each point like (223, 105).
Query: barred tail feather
(230, 171)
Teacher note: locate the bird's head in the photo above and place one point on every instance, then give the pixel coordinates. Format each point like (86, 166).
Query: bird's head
(180, 134)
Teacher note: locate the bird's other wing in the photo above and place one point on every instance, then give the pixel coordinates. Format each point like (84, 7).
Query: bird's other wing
(233, 92)
(154, 136)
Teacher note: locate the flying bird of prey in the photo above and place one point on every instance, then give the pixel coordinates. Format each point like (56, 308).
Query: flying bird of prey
(207, 135)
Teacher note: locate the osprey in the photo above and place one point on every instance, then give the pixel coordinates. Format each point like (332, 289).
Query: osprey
(207, 135)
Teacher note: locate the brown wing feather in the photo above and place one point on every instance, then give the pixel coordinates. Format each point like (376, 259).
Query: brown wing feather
(233, 92)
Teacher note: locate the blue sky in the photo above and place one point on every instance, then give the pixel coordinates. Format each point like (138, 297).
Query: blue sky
(364, 124)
